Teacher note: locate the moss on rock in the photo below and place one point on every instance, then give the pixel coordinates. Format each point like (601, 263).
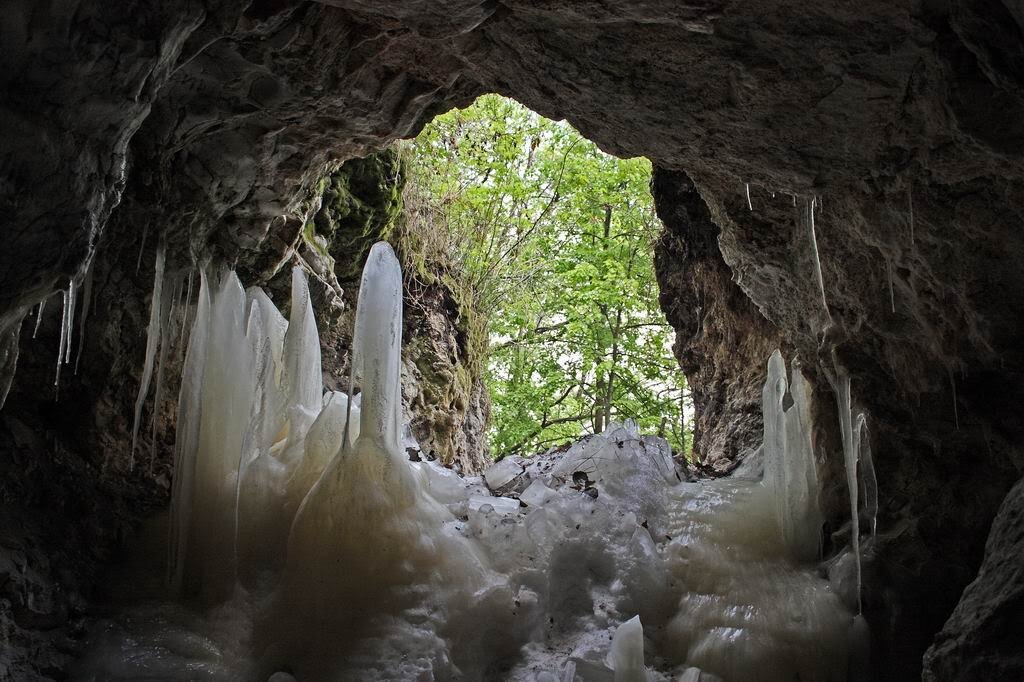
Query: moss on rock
(444, 338)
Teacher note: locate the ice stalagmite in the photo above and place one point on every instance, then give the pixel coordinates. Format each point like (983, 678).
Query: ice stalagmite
(227, 396)
(789, 459)
(260, 526)
(302, 379)
(367, 542)
(152, 341)
(358, 564)
(627, 654)
(186, 442)
(849, 440)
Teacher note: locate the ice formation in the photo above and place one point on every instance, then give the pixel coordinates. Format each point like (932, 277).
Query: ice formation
(311, 547)
(857, 459)
(788, 450)
(817, 257)
(153, 336)
(86, 304)
(39, 317)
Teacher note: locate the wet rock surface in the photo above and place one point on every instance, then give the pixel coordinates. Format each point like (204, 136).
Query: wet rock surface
(722, 339)
(212, 123)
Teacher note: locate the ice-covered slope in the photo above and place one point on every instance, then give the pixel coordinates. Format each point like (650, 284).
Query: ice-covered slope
(304, 551)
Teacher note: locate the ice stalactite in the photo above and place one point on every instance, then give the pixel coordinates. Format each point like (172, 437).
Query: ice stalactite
(39, 317)
(86, 305)
(817, 257)
(859, 466)
(322, 550)
(866, 469)
(153, 336)
(69, 332)
(746, 187)
(185, 308)
(68, 297)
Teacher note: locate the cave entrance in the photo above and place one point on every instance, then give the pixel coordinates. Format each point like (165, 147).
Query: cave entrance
(549, 243)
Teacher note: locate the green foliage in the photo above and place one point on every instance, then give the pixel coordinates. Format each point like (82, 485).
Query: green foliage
(552, 241)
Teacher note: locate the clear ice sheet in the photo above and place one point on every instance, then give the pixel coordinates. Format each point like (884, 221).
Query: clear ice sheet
(304, 541)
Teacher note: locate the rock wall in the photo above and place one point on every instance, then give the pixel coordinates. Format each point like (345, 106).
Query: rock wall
(444, 396)
(213, 122)
(722, 340)
(981, 640)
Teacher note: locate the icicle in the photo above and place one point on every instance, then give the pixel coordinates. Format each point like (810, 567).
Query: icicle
(142, 248)
(86, 303)
(841, 385)
(72, 299)
(867, 470)
(817, 260)
(10, 334)
(750, 206)
(39, 317)
(63, 337)
(184, 313)
(152, 340)
(892, 295)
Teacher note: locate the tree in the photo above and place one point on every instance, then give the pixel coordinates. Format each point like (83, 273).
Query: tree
(554, 240)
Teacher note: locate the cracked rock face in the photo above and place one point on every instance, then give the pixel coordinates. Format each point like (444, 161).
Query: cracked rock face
(211, 123)
(981, 640)
(722, 339)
